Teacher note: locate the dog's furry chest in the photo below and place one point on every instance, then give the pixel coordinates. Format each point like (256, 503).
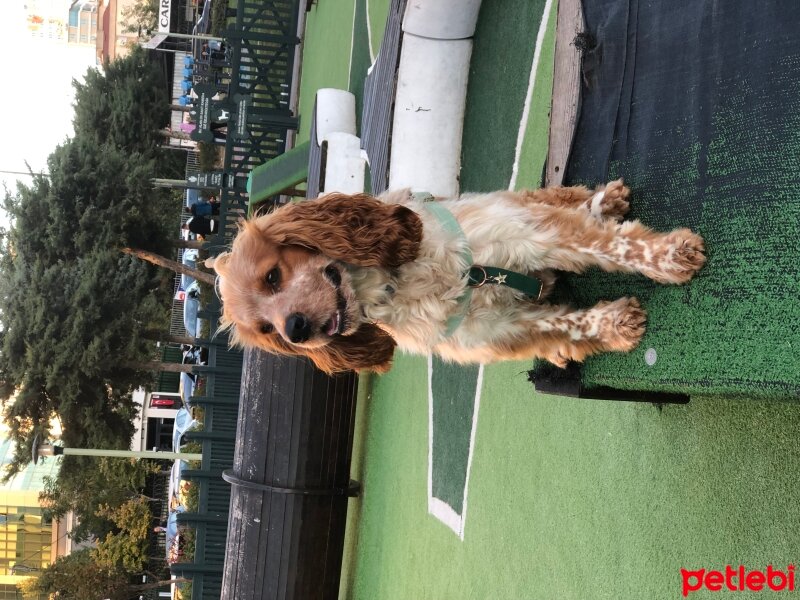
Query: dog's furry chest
(415, 302)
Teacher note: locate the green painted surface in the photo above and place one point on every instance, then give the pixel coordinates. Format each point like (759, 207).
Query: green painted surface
(572, 499)
(282, 172)
(329, 46)
(533, 153)
(503, 49)
(360, 59)
(326, 54)
(453, 390)
(486, 165)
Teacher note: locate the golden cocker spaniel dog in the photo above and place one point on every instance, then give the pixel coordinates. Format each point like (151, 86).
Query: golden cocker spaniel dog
(347, 278)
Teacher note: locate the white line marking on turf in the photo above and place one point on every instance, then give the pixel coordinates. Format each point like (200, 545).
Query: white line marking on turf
(444, 512)
(437, 507)
(430, 433)
(523, 126)
(369, 36)
(475, 409)
(352, 44)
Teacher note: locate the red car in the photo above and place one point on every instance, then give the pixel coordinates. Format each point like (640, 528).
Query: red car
(164, 401)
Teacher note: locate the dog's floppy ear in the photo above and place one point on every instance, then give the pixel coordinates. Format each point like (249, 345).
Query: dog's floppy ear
(368, 349)
(356, 229)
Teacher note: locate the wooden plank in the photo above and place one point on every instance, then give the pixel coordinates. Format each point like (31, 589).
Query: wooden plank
(314, 180)
(289, 545)
(379, 91)
(566, 90)
(336, 532)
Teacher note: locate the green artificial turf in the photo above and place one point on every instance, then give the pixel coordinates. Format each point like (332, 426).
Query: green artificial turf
(336, 51)
(573, 498)
(503, 49)
(453, 389)
(724, 160)
(326, 55)
(567, 499)
(731, 330)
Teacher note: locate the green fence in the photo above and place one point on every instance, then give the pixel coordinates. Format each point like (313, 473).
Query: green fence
(210, 522)
(257, 76)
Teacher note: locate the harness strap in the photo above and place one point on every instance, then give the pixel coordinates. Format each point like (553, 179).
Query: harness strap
(449, 223)
(477, 275)
(480, 276)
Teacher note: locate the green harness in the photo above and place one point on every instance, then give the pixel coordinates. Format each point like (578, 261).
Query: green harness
(478, 275)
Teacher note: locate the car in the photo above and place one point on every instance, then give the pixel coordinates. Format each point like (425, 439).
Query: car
(188, 258)
(204, 20)
(191, 306)
(193, 355)
(187, 388)
(183, 423)
(164, 401)
(201, 27)
(192, 197)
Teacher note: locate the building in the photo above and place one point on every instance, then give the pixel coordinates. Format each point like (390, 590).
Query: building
(28, 540)
(82, 23)
(112, 39)
(70, 21)
(47, 19)
(154, 423)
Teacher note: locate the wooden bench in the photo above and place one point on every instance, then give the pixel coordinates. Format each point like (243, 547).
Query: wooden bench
(290, 481)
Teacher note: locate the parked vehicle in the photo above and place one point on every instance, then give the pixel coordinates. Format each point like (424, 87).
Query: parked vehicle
(164, 401)
(191, 306)
(183, 423)
(188, 258)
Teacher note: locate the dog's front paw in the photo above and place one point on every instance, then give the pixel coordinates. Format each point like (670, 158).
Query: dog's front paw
(611, 202)
(686, 256)
(625, 325)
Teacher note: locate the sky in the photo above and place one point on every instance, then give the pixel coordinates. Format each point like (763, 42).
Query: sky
(37, 101)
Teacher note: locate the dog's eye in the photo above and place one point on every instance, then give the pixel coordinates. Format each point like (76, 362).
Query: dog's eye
(267, 328)
(273, 278)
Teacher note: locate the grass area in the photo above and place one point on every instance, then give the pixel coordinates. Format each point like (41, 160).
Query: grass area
(498, 83)
(575, 499)
(326, 55)
(333, 56)
(567, 498)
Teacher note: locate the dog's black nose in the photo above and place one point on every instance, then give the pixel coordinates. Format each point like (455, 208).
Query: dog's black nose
(298, 328)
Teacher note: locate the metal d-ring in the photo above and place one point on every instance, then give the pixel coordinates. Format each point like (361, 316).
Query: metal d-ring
(473, 278)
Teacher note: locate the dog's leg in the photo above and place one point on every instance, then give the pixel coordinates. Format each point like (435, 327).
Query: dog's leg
(629, 246)
(606, 202)
(560, 334)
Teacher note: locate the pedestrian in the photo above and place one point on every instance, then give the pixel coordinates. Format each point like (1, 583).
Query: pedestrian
(201, 225)
(203, 209)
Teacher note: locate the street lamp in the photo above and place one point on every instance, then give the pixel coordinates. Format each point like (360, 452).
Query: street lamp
(41, 449)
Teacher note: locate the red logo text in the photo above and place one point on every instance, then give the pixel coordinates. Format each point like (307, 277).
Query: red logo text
(738, 580)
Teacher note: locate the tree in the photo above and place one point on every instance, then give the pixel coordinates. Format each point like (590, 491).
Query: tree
(141, 18)
(74, 310)
(87, 483)
(127, 548)
(125, 105)
(79, 577)
(76, 576)
(75, 314)
(172, 265)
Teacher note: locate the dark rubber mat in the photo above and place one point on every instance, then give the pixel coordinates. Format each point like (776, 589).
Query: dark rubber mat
(697, 105)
